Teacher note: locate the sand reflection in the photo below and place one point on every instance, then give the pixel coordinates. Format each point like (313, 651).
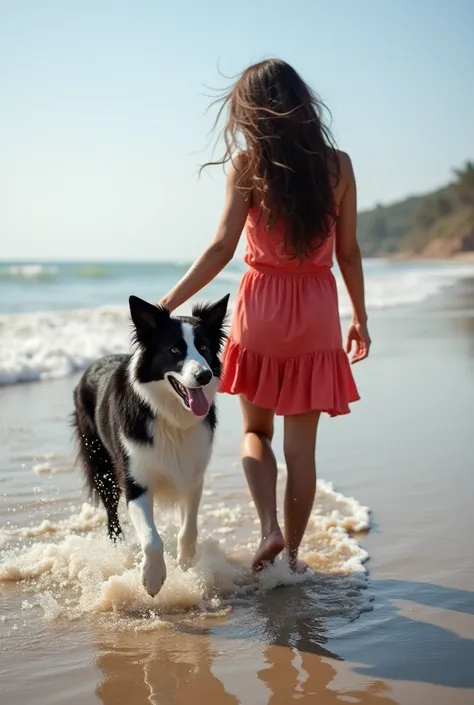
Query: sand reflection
(272, 650)
(159, 668)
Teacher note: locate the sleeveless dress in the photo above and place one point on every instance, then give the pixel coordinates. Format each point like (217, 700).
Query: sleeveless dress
(284, 351)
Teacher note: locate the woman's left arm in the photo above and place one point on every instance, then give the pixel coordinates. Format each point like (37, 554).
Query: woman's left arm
(222, 248)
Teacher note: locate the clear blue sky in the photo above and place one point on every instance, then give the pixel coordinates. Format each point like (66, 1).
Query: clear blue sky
(102, 104)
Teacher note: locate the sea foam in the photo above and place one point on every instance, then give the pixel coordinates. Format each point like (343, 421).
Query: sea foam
(37, 346)
(44, 345)
(70, 569)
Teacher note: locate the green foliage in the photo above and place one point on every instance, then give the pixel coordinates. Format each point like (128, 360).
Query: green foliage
(464, 184)
(411, 225)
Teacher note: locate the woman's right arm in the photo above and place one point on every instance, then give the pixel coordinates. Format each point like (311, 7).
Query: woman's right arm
(350, 262)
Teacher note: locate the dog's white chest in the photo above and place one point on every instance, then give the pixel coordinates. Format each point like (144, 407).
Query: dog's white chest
(176, 461)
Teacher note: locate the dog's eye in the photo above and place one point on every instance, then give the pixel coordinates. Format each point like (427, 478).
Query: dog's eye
(175, 351)
(203, 348)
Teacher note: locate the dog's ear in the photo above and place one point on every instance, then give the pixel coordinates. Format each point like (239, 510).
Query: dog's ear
(212, 316)
(146, 317)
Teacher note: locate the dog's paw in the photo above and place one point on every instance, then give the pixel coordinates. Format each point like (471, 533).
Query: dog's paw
(153, 570)
(186, 553)
(185, 562)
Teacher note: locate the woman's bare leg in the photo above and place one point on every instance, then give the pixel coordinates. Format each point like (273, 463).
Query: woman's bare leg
(261, 472)
(299, 448)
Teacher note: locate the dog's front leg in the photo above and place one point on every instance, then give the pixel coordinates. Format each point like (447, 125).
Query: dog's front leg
(187, 537)
(153, 568)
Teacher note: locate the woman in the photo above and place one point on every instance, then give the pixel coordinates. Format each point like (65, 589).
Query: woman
(295, 195)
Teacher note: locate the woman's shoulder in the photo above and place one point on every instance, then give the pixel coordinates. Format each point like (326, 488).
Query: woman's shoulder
(345, 163)
(239, 162)
(239, 173)
(345, 173)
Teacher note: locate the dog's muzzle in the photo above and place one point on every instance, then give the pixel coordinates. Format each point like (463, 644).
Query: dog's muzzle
(193, 397)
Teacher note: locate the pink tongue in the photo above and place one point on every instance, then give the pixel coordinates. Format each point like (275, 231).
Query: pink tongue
(197, 402)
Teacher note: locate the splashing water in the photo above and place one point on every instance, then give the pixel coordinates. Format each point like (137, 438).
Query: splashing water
(69, 569)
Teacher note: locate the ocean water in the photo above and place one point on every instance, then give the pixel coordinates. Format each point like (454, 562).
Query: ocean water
(56, 318)
(75, 573)
(75, 622)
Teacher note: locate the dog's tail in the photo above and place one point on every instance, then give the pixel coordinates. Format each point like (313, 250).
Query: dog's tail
(99, 471)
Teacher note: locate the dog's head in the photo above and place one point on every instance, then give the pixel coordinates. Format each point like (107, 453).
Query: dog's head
(178, 357)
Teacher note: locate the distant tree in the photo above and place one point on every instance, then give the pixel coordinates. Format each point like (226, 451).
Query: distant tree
(427, 214)
(464, 184)
(443, 206)
(378, 230)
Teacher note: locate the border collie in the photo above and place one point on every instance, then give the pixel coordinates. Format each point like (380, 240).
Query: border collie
(145, 424)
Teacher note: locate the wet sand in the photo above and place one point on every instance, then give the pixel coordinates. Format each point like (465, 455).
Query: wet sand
(77, 634)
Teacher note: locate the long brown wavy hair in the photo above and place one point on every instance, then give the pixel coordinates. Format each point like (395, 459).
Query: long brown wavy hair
(289, 161)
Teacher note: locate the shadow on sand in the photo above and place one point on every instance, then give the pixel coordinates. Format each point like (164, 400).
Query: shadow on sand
(404, 648)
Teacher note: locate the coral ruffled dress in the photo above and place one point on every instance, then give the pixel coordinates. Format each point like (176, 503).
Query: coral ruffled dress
(285, 350)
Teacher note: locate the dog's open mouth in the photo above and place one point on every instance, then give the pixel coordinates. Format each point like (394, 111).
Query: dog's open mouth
(193, 398)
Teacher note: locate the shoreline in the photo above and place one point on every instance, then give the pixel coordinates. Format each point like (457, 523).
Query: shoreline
(461, 257)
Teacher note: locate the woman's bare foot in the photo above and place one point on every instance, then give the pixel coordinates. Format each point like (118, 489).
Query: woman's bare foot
(298, 567)
(270, 546)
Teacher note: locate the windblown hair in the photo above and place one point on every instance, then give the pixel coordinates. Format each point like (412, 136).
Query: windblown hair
(289, 162)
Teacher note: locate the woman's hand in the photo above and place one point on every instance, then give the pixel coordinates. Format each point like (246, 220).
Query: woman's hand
(358, 333)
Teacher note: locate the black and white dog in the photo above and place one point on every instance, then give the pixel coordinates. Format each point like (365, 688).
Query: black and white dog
(145, 424)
